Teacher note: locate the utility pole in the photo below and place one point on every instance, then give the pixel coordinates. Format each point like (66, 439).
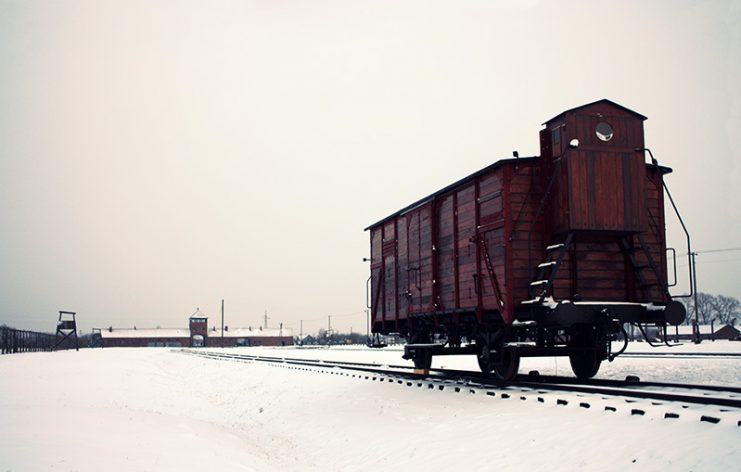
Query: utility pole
(694, 289)
(301, 336)
(329, 329)
(266, 319)
(222, 323)
(693, 285)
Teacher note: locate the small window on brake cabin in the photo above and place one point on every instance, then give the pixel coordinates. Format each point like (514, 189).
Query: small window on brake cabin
(556, 141)
(604, 131)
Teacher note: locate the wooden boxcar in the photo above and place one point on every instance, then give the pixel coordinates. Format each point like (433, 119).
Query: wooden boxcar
(545, 255)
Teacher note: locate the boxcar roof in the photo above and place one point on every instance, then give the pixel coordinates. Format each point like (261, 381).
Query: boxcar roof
(604, 100)
(450, 187)
(499, 163)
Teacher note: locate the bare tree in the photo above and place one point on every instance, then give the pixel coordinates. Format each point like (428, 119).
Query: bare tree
(726, 309)
(705, 308)
(719, 308)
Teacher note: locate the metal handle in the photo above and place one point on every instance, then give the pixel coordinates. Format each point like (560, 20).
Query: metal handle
(674, 263)
(367, 292)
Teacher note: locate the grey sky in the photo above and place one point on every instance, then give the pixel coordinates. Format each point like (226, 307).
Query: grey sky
(157, 156)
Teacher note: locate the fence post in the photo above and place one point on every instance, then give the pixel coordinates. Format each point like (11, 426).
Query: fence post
(16, 340)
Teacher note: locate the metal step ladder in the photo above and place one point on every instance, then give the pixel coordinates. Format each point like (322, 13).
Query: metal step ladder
(643, 270)
(548, 269)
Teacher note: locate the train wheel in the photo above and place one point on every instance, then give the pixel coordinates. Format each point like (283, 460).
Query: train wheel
(509, 364)
(485, 359)
(585, 364)
(504, 365)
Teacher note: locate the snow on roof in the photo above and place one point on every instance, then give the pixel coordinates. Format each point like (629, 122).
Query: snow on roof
(145, 333)
(185, 333)
(251, 333)
(704, 329)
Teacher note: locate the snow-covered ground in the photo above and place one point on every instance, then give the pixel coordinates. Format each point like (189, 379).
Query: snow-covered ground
(159, 409)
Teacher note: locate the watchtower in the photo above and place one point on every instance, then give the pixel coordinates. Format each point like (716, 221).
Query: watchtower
(66, 328)
(198, 329)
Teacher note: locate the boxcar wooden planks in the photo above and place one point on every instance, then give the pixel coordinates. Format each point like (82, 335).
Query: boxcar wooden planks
(474, 247)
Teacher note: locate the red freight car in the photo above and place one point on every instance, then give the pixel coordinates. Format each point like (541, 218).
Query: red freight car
(534, 256)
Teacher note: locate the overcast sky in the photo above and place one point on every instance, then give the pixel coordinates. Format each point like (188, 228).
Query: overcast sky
(157, 156)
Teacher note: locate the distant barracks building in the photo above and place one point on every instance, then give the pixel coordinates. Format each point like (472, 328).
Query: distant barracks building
(685, 333)
(197, 335)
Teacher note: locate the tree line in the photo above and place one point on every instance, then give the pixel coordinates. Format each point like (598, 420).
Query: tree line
(718, 308)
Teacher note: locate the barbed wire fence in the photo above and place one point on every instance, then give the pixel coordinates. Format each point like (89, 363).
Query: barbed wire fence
(17, 340)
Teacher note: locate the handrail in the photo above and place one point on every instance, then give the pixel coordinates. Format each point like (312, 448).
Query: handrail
(681, 221)
(674, 260)
(367, 292)
(689, 244)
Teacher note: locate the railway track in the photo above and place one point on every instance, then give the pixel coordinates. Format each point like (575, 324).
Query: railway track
(725, 398)
(684, 355)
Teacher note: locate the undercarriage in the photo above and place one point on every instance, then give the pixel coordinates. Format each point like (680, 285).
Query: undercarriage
(583, 332)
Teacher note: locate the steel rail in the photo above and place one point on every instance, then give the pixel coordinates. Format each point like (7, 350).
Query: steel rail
(627, 388)
(682, 354)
